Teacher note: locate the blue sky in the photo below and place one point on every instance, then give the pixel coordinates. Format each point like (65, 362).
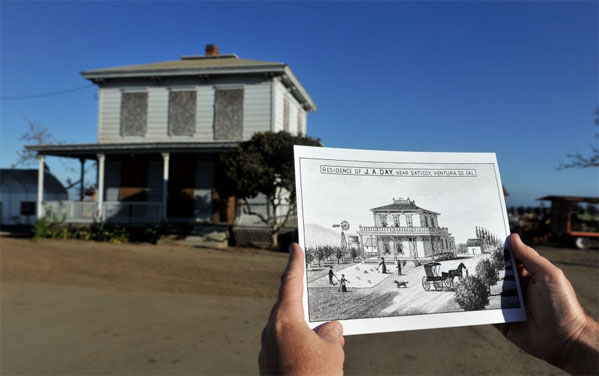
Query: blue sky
(516, 78)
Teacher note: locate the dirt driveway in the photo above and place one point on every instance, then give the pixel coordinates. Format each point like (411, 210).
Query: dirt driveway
(70, 307)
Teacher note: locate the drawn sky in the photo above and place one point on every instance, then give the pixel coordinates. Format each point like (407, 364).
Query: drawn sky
(463, 202)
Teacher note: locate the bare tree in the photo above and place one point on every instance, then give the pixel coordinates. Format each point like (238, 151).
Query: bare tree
(38, 134)
(35, 134)
(579, 160)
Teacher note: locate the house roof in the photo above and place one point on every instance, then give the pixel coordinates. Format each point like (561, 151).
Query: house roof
(206, 66)
(90, 151)
(18, 180)
(401, 205)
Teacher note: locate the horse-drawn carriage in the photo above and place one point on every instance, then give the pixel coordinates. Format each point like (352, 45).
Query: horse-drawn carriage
(435, 278)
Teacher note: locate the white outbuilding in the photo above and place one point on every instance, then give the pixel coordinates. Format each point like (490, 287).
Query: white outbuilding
(18, 194)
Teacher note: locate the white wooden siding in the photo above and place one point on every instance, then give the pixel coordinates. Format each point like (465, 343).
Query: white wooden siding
(204, 114)
(109, 115)
(157, 114)
(279, 101)
(257, 109)
(281, 93)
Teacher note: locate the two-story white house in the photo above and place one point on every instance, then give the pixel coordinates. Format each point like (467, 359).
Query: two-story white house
(161, 128)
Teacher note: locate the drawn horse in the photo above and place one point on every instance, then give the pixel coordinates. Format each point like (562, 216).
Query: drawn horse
(459, 272)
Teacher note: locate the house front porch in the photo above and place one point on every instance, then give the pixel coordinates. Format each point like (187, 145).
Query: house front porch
(143, 183)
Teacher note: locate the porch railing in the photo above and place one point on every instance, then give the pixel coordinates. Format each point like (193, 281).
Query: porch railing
(71, 211)
(112, 211)
(131, 212)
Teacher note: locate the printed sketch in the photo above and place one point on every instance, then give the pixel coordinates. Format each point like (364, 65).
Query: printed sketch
(373, 253)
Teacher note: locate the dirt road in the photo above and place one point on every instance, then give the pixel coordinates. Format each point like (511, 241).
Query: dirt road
(72, 307)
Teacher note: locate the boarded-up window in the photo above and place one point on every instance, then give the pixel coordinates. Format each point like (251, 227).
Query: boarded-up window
(286, 115)
(182, 113)
(134, 114)
(228, 114)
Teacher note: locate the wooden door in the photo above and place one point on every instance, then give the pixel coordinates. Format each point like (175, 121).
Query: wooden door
(134, 179)
(181, 186)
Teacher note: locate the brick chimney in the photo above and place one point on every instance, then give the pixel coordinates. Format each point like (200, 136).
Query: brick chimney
(212, 50)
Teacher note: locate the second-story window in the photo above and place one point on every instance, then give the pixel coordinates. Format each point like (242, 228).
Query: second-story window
(228, 114)
(134, 113)
(409, 218)
(182, 113)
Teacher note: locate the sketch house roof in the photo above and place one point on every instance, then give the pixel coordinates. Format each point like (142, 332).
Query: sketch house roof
(400, 206)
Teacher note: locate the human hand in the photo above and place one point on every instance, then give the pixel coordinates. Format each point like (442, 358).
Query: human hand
(558, 330)
(289, 346)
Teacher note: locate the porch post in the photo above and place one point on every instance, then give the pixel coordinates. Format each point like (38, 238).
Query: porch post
(40, 186)
(165, 163)
(101, 158)
(81, 185)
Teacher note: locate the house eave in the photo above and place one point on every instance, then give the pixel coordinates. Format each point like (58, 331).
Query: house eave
(90, 151)
(283, 70)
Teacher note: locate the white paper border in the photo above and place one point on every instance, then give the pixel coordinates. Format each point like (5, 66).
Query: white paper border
(411, 322)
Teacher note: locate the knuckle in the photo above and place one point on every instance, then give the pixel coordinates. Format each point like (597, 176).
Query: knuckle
(282, 324)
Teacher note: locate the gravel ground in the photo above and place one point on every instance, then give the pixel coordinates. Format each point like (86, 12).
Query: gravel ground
(85, 308)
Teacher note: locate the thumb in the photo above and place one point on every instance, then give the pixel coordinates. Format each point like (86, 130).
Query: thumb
(532, 261)
(331, 332)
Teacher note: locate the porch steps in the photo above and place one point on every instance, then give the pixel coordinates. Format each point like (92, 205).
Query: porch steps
(208, 236)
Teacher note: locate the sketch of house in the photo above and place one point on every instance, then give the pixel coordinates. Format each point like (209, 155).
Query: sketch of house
(475, 246)
(18, 194)
(162, 127)
(405, 231)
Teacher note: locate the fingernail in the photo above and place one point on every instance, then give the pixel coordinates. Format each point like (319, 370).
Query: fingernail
(338, 328)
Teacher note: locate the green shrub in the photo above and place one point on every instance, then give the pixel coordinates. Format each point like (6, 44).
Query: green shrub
(83, 233)
(485, 270)
(46, 228)
(472, 294)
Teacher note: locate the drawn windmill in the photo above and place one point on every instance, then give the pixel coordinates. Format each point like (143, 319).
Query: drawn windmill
(344, 227)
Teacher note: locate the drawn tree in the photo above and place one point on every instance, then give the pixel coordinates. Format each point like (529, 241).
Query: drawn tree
(472, 294)
(264, 165)
(328, 251)
(579, 160)
(354, 253)
(485, 270)
(309, 256)
(339, 252)
(498, 258)
(320, 254)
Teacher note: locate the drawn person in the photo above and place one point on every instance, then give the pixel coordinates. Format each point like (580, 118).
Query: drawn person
(558, 330)
(331, 275)
(382, 263)
(342, 283)
(398, 267)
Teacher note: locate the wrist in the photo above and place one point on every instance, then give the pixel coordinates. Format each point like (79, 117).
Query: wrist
(581, 356)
